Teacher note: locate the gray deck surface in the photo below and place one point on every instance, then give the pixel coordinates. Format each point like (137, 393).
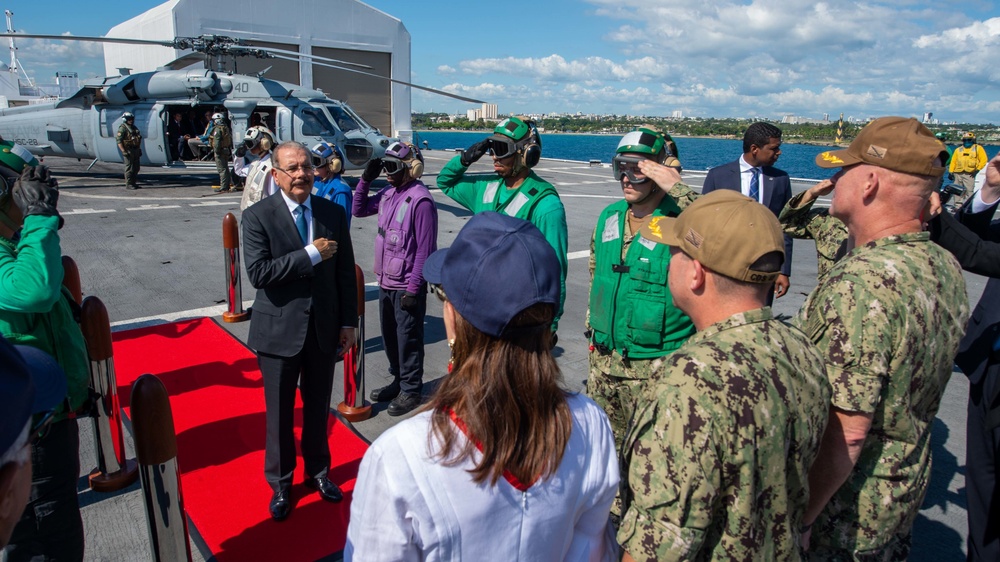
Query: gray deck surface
(155, 255)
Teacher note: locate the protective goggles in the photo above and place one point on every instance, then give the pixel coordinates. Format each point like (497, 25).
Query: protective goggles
(628, 166)
(502, 148)
(394, 166)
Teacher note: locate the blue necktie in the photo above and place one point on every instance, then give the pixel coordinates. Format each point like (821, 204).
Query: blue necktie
(755, 184)
(300, 223)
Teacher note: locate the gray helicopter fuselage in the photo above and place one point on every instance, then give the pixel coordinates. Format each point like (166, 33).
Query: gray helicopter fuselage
(85, 124)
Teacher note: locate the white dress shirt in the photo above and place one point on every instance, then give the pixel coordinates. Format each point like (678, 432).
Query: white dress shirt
(293, 208)
(746, 173)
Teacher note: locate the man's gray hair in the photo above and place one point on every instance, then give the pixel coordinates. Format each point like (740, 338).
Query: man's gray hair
(17, 452)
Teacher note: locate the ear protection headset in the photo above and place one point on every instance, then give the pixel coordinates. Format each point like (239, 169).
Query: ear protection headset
(258, 136)
(327, 155)
(531, 152)
(410, 155)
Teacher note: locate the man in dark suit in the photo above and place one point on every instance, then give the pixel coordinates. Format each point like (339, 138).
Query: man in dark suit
(755, 176)
(299, 257)
(977, 249)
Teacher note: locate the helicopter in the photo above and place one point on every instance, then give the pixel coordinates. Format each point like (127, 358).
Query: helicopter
(84, 124)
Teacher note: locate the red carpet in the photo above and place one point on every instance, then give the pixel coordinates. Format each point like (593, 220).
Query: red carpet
(217, 399)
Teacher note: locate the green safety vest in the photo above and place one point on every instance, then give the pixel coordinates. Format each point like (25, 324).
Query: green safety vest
(522, 202)
(631, 310)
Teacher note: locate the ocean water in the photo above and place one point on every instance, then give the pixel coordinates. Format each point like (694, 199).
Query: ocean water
(799, 160)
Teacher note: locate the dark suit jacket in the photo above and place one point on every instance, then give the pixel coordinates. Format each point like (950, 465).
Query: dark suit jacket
(776, 186)
(984, 324)
(289, 287)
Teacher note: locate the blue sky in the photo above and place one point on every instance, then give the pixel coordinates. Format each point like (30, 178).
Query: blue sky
(760, 58)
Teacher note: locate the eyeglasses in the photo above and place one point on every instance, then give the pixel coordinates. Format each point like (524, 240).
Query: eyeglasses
(438, 291)
(393, 166)
(628, 166)
(502, 148)
(296, 169)
(41, 427)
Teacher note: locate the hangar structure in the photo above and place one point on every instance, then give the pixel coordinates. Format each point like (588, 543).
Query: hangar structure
(346, 30)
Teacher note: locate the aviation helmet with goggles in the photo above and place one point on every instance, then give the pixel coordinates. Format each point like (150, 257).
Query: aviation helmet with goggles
(218, 117)
(258, 136)
(127, 115)
(641, 144)
(402, 155)
(508, 136)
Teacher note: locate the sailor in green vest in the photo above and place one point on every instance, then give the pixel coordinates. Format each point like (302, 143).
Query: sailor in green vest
(632, 322)
(513, 189)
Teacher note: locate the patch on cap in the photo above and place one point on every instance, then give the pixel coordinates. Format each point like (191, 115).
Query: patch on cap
(694, 238)
(654, 227)
(877, 151)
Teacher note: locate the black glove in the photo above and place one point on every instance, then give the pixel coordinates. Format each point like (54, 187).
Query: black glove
(36, 193)
(408, 302)
(951, 176)
(241, 151)
(372, 170)
(475, 152)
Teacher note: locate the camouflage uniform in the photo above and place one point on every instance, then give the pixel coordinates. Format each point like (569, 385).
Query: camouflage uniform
(888, 319)
(221, 141)
(129, 139)
(683, 195)
(717, 459)
(805, 222)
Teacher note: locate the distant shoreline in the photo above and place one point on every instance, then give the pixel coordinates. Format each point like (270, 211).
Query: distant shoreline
(723, 137)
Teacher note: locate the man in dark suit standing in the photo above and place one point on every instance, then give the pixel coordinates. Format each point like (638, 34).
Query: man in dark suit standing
(979, 357)
(755, 176)
(299, 257)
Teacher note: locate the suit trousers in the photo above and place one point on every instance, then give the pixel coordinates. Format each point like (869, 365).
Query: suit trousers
(403, 338)
(982, 467)
(312, 370)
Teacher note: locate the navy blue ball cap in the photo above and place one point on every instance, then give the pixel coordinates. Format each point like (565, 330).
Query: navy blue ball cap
(48, 376)
(497, 267)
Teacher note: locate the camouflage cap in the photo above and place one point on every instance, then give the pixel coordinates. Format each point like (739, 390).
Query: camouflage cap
(724, 230)
(894, 143)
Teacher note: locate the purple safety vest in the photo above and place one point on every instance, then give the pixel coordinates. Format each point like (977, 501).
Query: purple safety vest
(396, 242)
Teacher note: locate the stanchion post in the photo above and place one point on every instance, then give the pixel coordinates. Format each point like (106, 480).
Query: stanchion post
(156, 450)
(71, 279)
(234, 284)
(113, 471)
(353, 408)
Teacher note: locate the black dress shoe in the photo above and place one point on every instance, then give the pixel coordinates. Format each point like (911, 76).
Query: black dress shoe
(386, 393)
(327, 490)
(281, 505)
(403, 403)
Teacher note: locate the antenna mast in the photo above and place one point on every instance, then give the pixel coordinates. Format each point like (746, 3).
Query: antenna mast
(14, 67)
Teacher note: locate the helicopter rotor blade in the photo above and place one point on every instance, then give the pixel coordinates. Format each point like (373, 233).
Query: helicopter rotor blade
(393, 80)
(163, 43)
(314, 57)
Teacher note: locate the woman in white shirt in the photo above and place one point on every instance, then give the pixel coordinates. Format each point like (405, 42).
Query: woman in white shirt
(502, 463)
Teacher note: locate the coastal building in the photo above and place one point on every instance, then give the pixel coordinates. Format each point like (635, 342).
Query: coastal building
(345, 30)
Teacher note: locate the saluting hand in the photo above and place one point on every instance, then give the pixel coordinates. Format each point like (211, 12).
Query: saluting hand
(326, 247)
(663, 176)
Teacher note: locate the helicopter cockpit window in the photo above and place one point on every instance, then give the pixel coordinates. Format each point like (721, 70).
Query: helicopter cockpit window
(314, 123)
(344, 120)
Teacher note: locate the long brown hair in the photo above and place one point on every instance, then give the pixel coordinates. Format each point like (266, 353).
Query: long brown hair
(507, 393)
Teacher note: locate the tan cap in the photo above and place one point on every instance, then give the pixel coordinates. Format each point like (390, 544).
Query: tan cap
(895, 143)
(724, 230)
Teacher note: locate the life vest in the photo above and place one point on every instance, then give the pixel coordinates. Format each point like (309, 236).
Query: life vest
(258, 182)
(522, 203)
(631, 310)
(396, 241)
